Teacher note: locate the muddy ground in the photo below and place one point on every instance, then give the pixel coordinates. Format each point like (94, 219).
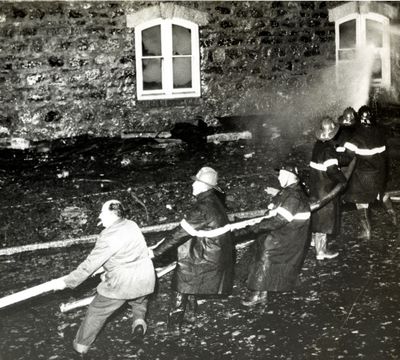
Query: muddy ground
(345, 308)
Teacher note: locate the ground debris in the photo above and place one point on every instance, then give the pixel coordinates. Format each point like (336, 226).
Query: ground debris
(345, 308)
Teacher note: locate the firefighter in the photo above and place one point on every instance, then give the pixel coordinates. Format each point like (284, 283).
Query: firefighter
(368, 181)
(205, 264)
(348, 122)
(281, 238)
(325, 174)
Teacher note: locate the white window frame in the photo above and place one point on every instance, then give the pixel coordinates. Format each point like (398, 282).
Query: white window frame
(167, 91)
(361, 41)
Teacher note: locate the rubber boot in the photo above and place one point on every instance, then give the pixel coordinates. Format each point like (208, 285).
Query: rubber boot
(387, 204)
(318, 241)
(365, 224)
(321, 251)
(191, 312)
(177, 312)
(312, 243)
(256, 297)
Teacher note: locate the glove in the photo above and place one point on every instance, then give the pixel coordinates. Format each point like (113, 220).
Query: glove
(315, 205)
(245, 232)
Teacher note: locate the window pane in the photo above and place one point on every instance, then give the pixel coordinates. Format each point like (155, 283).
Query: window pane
(347, 54)
(347, 34)
(152, 74)
(182, 72)
(151, 41)
(374, 33)
(181, 40)
(377, 68)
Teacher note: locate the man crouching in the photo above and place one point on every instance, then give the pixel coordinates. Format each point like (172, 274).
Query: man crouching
(129, 275)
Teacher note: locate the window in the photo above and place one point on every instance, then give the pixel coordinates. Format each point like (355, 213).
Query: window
(167, 59)
(347, 40)
(365, 31)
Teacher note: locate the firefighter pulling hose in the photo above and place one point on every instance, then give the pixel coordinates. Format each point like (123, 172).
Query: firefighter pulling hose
(49, 286)
(314, 206)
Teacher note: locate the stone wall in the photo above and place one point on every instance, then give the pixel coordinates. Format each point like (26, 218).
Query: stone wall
(394, 95)
(68, 68)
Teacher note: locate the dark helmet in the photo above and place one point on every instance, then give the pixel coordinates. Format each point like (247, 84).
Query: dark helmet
(349, 117)
(365, 115)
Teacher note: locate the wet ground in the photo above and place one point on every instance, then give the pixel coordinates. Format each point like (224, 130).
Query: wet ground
(345, 308)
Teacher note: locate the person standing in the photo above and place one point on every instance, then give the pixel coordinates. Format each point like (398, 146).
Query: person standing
(204, 264)
(368, 181)
(325, 174)
(348, 123)
(281, 239)
(129, 275)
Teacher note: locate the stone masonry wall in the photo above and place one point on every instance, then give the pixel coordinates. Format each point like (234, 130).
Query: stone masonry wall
(68, 68)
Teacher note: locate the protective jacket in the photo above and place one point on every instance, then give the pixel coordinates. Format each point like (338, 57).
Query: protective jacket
(344, 135)
(122, 251)
(369, 177)
(324, 176)
(280, 244)
(204, 264)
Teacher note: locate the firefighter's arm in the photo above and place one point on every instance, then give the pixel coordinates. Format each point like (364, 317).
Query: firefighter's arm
(180, 234)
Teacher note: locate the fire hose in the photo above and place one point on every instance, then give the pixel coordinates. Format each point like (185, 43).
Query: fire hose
(336, 190)
(49, 286)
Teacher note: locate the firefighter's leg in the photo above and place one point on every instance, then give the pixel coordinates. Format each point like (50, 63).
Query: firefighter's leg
(191, 312)
(387, 203)
(363, 210)
(312, 243)
(321, 250)
(177, 311)
(255, 298)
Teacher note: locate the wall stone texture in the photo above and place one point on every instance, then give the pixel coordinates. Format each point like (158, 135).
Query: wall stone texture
(68, 68)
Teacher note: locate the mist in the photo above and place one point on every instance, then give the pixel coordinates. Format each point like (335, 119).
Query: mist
(328, 92)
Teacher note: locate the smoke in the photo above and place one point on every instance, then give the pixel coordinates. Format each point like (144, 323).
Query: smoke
(300, 108)
(355, 78)
(297, 109)
(328, 92)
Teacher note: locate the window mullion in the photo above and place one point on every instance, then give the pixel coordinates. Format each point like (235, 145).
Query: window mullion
(337, 40)
(386, 69)
(361, 31)
(167, 57)
(195, 59)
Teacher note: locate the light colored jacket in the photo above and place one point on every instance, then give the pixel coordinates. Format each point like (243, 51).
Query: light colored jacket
(122, 251)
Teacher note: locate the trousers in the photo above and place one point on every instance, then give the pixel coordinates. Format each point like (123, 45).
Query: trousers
(100, 309)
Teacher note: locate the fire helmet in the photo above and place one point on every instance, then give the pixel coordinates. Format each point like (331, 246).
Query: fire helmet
(349, 117)
(208, 176)
(365, 115)
(327, 130)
